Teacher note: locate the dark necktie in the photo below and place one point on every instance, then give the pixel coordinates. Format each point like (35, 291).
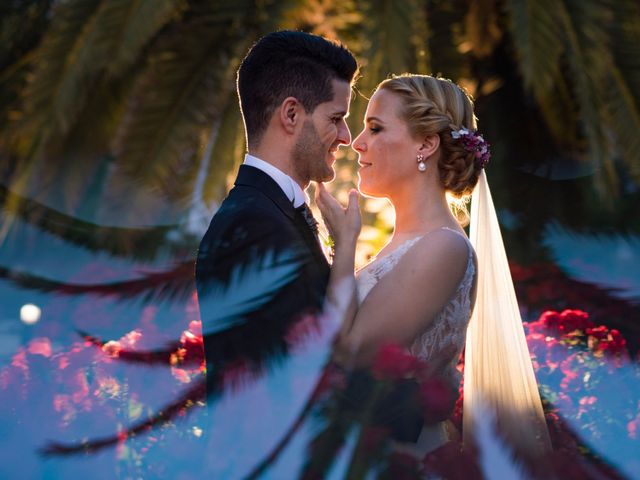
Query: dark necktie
(305, 212)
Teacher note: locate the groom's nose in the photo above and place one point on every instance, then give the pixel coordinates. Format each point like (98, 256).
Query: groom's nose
(344, 135)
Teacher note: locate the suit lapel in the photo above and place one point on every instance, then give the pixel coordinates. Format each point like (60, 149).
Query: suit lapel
(256, 178)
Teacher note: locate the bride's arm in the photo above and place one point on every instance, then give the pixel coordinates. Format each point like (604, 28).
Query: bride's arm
(405, 301)
(408, 298)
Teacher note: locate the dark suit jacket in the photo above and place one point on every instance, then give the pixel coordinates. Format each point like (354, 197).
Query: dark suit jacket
(252, 239)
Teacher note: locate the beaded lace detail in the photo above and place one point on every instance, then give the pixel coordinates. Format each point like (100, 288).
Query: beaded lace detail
(446, 334)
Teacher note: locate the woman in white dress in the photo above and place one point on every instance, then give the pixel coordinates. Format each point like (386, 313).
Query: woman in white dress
(420, 148)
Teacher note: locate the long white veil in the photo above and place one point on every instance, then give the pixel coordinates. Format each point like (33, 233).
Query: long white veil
(498, 371)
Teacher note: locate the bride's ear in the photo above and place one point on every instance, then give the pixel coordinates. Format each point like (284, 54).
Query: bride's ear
(430, 145)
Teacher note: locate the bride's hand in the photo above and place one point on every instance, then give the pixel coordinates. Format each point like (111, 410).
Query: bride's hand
(344, 224)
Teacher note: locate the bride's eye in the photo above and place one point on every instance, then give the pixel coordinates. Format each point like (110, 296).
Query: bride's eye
(374, 130)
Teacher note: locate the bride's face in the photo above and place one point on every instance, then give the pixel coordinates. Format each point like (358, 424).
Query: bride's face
(386, 150)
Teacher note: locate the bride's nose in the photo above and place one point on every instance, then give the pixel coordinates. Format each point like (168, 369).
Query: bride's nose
(358, 144)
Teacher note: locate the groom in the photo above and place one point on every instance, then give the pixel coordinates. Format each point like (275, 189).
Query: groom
(260, 267)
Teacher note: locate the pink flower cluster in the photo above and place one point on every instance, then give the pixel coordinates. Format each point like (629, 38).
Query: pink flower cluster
(474, 143)
(574, 361)
(574, 327)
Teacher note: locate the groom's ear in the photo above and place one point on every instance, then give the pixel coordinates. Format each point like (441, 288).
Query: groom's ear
(290, 114)
(430, 145)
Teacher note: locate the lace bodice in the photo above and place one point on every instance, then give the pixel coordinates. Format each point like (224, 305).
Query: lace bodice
(446, 334)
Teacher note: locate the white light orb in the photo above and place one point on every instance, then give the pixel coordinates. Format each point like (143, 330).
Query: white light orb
(30, 313)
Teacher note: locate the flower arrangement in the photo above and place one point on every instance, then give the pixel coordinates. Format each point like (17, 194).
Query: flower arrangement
(474, 143)
(96, 387)
(587, 380)
(90, 387)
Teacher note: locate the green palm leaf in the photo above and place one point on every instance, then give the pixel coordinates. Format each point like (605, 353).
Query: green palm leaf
(139, 243)
(182, 92)
(139, 22)
(226, 154)
(539, 44)
(623, 120)
(538, 41)
(81, 42)
(177, 283)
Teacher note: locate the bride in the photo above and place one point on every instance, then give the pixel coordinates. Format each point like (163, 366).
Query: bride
(419, 148)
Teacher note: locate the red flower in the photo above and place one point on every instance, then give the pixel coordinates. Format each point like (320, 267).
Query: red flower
(393, 362)
(572, 320)
(565, 322)
(633, 426)
(373, 437)
(40, 346)
(451, 461)
(438, 400)
(402, 466)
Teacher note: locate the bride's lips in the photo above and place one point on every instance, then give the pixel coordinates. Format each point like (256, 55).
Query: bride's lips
(363, 164)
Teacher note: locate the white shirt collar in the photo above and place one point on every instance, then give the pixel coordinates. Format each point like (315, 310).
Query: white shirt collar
(289, 186)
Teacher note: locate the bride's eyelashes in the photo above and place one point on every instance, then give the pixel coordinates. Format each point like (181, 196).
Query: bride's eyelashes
(374, 130)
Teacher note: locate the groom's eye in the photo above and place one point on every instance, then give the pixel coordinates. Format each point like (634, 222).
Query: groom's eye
(336, 119)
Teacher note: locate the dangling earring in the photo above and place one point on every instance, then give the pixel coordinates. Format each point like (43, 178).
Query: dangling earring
(421, 165)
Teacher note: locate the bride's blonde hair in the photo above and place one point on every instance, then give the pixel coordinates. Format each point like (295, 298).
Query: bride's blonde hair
(430, 106)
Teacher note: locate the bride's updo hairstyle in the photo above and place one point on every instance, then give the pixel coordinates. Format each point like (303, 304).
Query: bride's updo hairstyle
(432, 106)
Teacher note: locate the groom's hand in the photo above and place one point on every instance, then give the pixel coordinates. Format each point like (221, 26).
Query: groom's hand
(344, 224)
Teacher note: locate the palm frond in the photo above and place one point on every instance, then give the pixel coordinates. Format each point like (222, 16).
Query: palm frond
(147, 357)
(139, 243)
(538, 41)
(251, 286)
(390, 47)
(226, 154)
(175, 284)
(175, 99)
(143, 19)
(624, 31)
(586, 52)
(623, 99)
(62, 64)
(481, 27)
(446, 38)
(539, 44)
(624, 120)
(188, 399)
(21, 27)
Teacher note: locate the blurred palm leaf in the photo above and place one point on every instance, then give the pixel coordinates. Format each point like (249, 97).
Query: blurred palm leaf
(227, 152)
(139, 243)
(84, 38)
(549, 35)
(176, 284)
(249, 287)
(178, 96)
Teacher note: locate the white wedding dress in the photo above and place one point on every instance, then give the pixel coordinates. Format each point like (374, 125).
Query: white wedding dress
(444, 336)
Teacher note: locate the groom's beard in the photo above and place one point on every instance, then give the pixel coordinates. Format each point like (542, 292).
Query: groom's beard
(310, 156)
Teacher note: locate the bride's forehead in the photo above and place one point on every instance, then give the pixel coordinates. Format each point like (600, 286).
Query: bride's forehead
(383, 102)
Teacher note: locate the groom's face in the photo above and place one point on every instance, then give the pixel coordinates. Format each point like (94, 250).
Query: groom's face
(322, 132)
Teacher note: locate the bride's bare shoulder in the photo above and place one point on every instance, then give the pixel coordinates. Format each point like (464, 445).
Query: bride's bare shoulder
(441, 249)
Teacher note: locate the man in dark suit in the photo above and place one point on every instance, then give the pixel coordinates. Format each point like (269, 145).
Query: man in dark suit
(260, 266)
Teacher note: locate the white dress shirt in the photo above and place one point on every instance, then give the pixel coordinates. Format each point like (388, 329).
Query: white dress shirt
(289, 186)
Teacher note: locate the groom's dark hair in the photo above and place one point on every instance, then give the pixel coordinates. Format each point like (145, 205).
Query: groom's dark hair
(289, 64)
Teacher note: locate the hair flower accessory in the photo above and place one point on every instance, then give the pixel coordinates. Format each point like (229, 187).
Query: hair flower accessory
(473, 143)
